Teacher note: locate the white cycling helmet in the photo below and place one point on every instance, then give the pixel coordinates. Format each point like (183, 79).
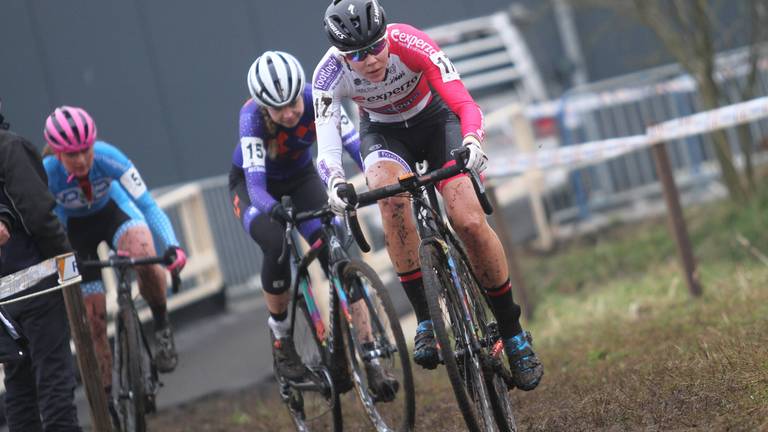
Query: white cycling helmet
(275, 79)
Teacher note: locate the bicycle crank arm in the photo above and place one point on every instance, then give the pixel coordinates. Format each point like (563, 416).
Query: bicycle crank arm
(306, 386)
(379, 353)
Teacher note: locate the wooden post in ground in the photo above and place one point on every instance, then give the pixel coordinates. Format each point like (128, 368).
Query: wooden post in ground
(675, 218)
(515, 275)
(86, 358)
(526, 142)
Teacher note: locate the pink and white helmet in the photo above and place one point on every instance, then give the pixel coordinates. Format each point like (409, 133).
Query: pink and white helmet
(69, 129)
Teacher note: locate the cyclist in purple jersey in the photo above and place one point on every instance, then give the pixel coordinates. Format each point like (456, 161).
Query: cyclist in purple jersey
(273, 159)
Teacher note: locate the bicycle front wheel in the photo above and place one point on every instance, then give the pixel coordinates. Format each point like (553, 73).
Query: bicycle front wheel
(314, 404)
(490, 349)
(450, 308)
(131, 389)
(376, 350)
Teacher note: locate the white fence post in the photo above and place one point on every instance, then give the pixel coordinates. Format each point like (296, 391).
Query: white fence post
(534, 178)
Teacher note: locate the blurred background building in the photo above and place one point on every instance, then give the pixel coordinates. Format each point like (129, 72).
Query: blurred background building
(165, 80)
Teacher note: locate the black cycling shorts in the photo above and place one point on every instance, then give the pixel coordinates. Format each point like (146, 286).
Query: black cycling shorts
(307, 192)
(86, 232)
(431, 135)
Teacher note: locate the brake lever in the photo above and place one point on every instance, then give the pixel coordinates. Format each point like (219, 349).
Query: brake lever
(460, 156)
(357, 231)
(479, 187)
(286, 241)
(175, 281)
(347, 193)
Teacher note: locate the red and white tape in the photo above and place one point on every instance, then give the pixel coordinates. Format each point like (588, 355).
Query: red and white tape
(592, 152)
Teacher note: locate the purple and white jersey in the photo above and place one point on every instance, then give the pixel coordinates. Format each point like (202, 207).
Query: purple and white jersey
(280, 154)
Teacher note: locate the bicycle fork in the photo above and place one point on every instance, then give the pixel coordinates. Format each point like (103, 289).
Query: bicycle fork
(472, 342)
(151, 378)
(380, 350)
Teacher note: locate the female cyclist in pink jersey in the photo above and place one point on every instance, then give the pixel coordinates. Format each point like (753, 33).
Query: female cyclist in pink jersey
(413, 107)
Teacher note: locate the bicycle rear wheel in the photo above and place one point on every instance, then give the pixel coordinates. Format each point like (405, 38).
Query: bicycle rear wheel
(313, 404)
(382, 347)
(455, 330)
(131, 396)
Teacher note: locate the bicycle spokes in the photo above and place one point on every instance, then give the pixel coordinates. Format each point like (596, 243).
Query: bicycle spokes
(376, 351)
(312, 401)
(461, 330)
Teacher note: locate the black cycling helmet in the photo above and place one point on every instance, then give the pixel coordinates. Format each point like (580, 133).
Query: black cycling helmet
(354, 24)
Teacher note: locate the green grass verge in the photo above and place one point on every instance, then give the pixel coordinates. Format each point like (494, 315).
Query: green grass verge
(624, 344)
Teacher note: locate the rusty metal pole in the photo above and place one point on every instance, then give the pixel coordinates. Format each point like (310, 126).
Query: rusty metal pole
(516, 276)
(86, 358)
(675, 218)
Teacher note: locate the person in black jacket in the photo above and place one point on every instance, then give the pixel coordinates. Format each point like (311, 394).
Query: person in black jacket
(40, 379)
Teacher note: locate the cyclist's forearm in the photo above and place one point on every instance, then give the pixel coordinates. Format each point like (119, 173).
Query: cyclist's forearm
(160, 226)
(256, 184)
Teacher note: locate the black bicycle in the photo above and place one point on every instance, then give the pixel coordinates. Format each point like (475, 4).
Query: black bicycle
(469, 342)
(137, 381)
(364, 332)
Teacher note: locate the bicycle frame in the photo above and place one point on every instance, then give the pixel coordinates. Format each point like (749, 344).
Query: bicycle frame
(431, 224)
(125, 303)
(122, 266)
(465, 332)
(432, 228)
(338, 258)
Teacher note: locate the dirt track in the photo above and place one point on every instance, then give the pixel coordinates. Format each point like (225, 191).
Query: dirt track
(674, 365)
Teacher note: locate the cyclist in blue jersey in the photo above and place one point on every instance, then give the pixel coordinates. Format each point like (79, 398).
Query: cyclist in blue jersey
(273, 159)
(100, 196)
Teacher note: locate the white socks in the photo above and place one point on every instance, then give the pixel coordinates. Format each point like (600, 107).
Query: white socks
(280, 329)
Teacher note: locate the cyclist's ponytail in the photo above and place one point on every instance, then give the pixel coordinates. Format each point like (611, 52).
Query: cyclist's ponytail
(271, 129)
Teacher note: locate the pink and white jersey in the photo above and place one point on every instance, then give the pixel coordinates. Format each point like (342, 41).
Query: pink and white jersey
(416, 67)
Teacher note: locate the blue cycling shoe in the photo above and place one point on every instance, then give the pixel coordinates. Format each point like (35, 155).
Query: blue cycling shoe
(525, 366)
(425, 346)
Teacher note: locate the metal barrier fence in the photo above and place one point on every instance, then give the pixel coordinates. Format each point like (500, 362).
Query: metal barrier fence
(625, 106)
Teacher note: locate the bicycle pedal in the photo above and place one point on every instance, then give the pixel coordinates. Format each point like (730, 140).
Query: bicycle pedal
(303, 380)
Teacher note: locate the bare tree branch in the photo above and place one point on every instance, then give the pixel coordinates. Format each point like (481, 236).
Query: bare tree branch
(705, 45)
(668, 28)
(757, 35)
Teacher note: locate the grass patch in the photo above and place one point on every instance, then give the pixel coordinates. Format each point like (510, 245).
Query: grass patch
(676, 364)
(624, 345)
